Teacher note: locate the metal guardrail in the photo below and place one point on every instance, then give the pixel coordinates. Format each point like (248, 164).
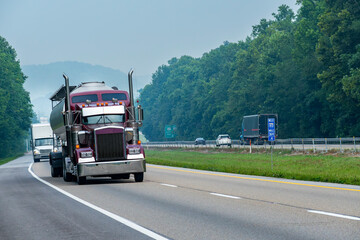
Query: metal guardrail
(299, 144)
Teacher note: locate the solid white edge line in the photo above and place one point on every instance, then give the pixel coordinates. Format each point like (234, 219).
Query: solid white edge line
(223, 195)
(335, 215)
(103, 211)
(168, 185)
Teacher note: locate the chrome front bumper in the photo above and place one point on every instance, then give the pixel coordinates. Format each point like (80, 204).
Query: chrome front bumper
(111, 168)
(41, 156)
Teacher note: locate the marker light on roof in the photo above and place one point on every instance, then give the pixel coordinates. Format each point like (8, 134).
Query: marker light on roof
(106, 104)
(102, 104)
(97, 104)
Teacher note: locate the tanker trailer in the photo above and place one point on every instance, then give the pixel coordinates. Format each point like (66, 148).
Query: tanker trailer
(98, 131)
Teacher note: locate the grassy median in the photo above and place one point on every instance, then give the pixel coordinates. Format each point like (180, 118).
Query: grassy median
(331, 167)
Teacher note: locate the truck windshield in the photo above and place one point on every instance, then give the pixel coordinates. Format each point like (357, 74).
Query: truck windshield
(110, 96)
(102, 119)
(83, 98)
(44, 142)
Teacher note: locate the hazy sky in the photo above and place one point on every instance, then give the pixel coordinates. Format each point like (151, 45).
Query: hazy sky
(142, 34)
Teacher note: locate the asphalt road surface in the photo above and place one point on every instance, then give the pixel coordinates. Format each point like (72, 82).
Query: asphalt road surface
(173, 203)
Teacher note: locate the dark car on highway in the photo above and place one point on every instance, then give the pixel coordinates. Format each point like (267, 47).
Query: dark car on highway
(200, 141)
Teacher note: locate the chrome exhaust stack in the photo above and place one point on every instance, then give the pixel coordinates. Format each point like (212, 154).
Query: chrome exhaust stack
(133, 122)
(132, 107)
(68, 117)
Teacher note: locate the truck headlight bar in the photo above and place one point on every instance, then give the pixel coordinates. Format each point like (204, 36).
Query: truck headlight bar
(86, 154)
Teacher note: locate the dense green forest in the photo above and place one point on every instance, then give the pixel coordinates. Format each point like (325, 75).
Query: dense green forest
(15, 107)
(304, 66)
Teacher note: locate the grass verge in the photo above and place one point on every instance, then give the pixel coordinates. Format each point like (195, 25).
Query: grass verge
(8, 159)
(336, 168)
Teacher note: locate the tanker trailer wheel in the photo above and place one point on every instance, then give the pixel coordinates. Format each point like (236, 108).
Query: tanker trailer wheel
(66, 176)
(139, 177)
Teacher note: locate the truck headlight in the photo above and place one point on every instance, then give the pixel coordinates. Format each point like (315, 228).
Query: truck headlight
(129, 135)
(36, 151)
(86, 154)
(134, 151)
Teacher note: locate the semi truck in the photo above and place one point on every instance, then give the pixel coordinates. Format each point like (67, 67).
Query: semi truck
(255, 128)
(41, 141)
(99, 132)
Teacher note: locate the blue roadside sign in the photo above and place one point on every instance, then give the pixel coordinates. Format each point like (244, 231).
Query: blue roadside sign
(271, 129)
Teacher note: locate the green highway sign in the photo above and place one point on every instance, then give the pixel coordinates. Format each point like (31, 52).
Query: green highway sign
(170, 131)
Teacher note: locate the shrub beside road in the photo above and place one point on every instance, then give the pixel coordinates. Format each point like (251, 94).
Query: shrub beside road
(330, 167)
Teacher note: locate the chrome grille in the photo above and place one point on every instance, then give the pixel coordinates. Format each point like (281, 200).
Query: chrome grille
(45, 151)
(110, 146)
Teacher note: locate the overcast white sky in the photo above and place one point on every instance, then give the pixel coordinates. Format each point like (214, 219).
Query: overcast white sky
(142, 34)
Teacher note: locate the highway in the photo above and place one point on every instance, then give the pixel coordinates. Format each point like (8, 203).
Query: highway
(173, 203)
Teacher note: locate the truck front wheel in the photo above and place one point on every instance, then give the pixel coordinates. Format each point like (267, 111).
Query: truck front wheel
(80, 180)
(55, 172)
(139, 177)
(66, 176)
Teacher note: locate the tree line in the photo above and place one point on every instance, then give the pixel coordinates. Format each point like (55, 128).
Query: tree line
(303, 66)
(15, 106)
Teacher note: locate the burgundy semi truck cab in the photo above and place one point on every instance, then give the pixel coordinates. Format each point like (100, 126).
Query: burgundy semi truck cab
(99, 132)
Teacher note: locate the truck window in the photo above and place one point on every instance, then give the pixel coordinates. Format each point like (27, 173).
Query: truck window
(102, 119)
(44, 142)
(110, 96)
(83, 98)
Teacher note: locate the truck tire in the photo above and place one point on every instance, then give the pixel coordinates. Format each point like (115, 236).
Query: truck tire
(139, 177)
(66, 176)
(55, 172)
(80, 180)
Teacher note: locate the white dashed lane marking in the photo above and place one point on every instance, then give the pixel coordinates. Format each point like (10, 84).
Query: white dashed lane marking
(168, 185)
(226, 196)
(334, 215)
